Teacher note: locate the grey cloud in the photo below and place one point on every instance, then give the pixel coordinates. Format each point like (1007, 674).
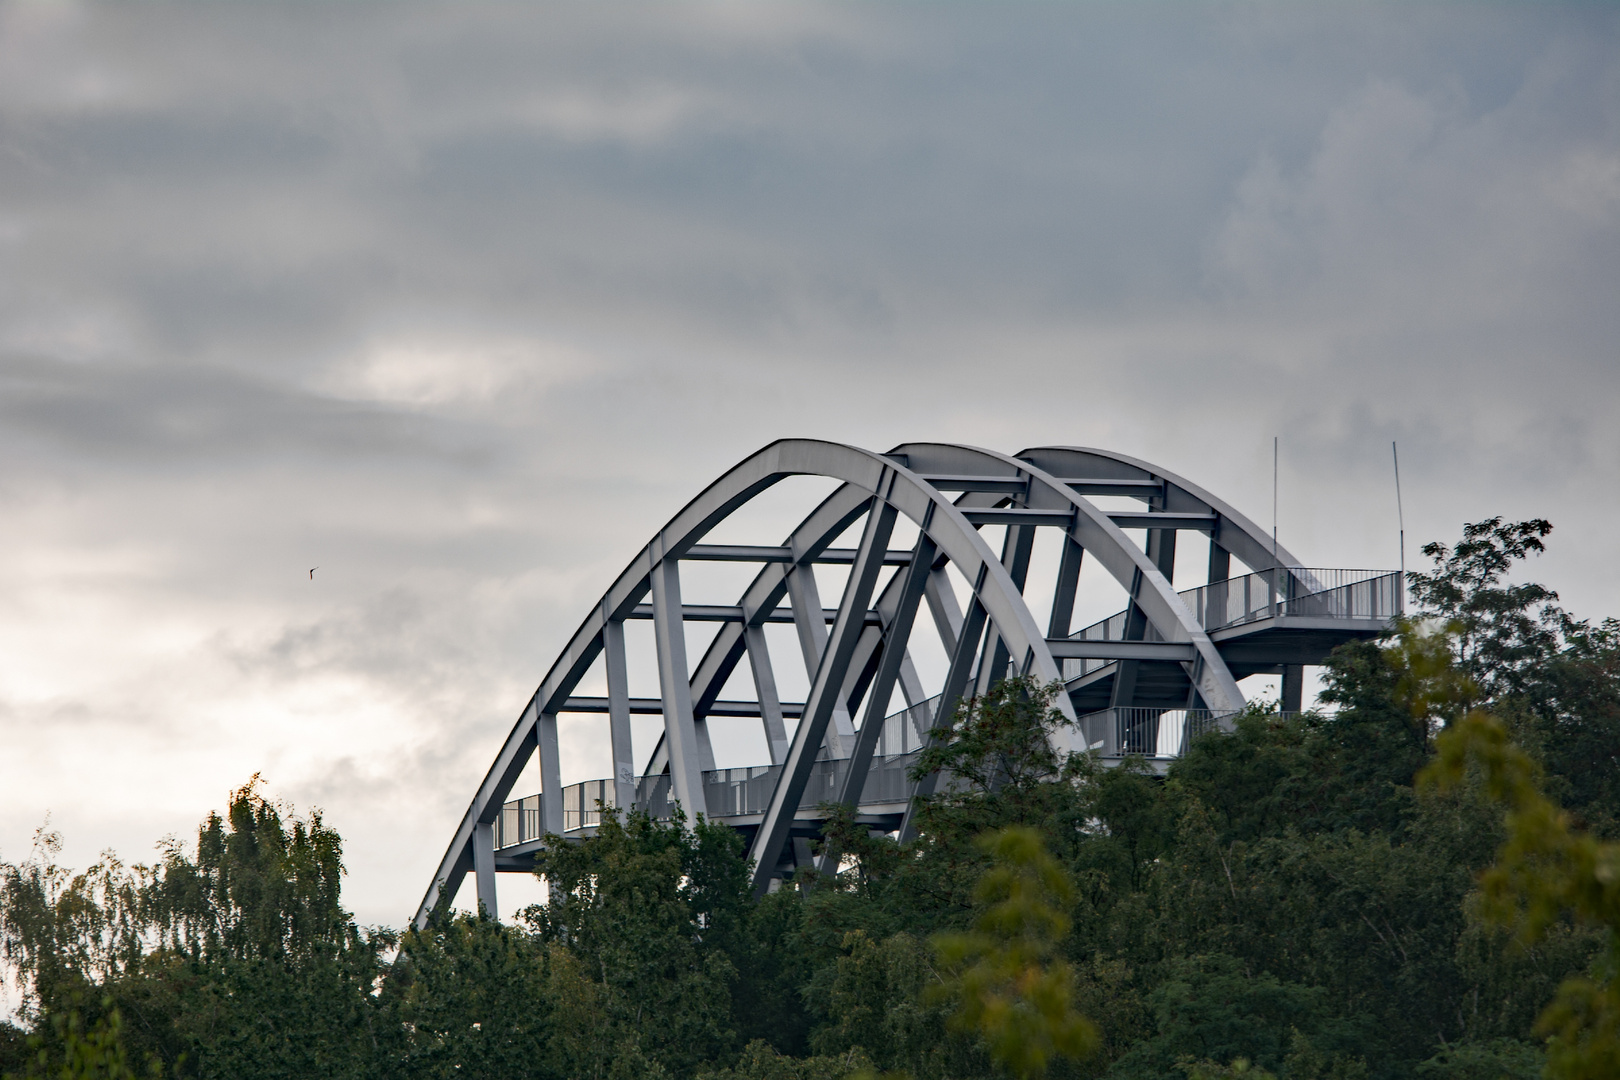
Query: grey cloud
(190, 416)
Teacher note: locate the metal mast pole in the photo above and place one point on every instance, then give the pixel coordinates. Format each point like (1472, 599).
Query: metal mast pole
(1400, 516)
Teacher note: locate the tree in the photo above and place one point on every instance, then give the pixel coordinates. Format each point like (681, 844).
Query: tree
(64, 932)
(469, 996)
(97, 1054)
(633, 905)
(236, 960)
(270, 974)
(1007, 983)
(1502, 632)
(1545, 871)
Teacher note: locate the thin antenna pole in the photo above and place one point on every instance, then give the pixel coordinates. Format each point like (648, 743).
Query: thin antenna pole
(1400, 515)
(1274, 499)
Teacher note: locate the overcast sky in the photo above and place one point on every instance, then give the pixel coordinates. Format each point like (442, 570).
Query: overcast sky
(460, 303)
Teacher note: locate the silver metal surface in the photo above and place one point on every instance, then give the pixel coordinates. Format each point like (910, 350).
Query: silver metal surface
(1148, 679)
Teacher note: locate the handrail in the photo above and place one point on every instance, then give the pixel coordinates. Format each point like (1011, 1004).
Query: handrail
(1332, 594)
(733, 792)
(1115, 732)
(1148, 733)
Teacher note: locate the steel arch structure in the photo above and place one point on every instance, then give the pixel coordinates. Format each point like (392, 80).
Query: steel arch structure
(1167, 665)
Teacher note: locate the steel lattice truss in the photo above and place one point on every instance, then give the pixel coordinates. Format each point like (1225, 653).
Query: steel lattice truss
(1141, 682)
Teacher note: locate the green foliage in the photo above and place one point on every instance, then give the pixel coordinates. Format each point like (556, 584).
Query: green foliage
(760, 1061)
(1570, 713)
(1498, 1059)
(256, 888)
(1503, 631)
(1545, 871)
(873, 998)
(1006, 984)
(469, 996)
(64, 932)
(236, 961)
(1209, 1009)
(644, 908)
(77, 1054)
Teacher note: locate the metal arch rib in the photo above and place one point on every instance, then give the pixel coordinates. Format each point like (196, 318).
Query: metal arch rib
(888, 482)
(1235, 532)
(958, 540)
(1124, 560)
(820, 528)
(764, 594)
(741, 483)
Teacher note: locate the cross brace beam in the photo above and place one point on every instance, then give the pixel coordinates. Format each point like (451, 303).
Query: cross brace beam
(655, 707)
(1072, 649)
(753, 553)
(728, 613)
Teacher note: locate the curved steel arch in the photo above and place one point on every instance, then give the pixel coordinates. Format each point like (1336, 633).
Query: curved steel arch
(948, 492)
(1236, 533)
(1146, 583)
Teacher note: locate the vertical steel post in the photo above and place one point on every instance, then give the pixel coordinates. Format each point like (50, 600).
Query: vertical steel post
(619, 732)
(483, 841)
(1068, 580)
(551, 804)
(1161, 550)
(1016, 547)
(674, 683)
(811, 623)
(1293, 687)
(942, 605)
(956, 681)
(770, 704)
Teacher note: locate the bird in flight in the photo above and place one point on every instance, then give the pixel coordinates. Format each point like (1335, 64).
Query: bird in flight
(312, 572)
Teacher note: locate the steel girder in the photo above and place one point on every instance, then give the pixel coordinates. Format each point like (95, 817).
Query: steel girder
(947, 492)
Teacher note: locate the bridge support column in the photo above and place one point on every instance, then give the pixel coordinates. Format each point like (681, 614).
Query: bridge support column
(956, 681)
(1293, 687)
(618, 680)
(484, 867)
(551, 800)
(1068, 580)
(1161, 549)
(1015, 552)
(686, 759)
(770, 704)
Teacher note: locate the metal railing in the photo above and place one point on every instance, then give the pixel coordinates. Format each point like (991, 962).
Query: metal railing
(1152, 733)
(735, 792)
(1321, 594)
(739, 792)
(580, 803)
(1300, 592)
(1149, 733)
(519, 822)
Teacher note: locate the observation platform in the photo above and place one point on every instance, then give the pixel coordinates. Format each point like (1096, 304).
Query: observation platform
(1260, 623)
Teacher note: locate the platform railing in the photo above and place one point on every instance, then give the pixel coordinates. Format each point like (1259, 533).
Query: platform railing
(1325, 594)
(1148, 733)
(730, 793)
(1300, 592)
(519, 822)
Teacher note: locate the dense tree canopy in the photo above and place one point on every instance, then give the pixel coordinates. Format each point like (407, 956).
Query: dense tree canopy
(1288, 902)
